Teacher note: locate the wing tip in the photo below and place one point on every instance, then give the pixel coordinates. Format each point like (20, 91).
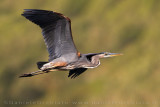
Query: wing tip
(75, 73)
(41, 11)
(35, 11)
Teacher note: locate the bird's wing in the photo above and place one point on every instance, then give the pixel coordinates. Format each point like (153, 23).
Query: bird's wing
(76, 72)
(56, 30)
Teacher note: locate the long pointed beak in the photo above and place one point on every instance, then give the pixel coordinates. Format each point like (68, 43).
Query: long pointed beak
(113, 54)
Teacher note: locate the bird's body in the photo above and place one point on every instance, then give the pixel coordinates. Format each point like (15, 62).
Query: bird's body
(63, 55)
(83, 61)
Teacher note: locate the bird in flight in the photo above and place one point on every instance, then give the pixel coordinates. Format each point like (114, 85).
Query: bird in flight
(63, 55)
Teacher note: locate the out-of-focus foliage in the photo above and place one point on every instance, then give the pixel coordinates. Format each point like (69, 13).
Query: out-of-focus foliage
(131, 27)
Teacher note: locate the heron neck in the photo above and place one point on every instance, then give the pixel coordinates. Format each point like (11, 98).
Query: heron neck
(95, 60)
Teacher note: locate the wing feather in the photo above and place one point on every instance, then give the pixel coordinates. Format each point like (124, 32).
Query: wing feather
(76, 72)
(56, 31)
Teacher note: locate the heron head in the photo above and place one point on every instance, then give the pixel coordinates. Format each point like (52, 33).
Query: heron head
(108, 54)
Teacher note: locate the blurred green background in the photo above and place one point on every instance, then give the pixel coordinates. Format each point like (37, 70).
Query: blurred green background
(131, 27)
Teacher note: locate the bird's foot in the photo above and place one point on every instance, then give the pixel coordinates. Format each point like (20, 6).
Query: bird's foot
(26, 75)
(46, 71)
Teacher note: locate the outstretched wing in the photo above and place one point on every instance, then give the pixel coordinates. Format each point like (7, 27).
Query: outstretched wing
(76, 72)
(56, 30)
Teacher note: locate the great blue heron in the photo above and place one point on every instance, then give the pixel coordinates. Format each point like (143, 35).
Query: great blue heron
(63, 55)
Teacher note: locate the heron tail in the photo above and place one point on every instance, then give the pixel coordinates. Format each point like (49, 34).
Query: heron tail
(33, 73)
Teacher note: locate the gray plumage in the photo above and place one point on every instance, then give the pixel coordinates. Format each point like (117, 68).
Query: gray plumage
(63, 55)
(56, 30)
